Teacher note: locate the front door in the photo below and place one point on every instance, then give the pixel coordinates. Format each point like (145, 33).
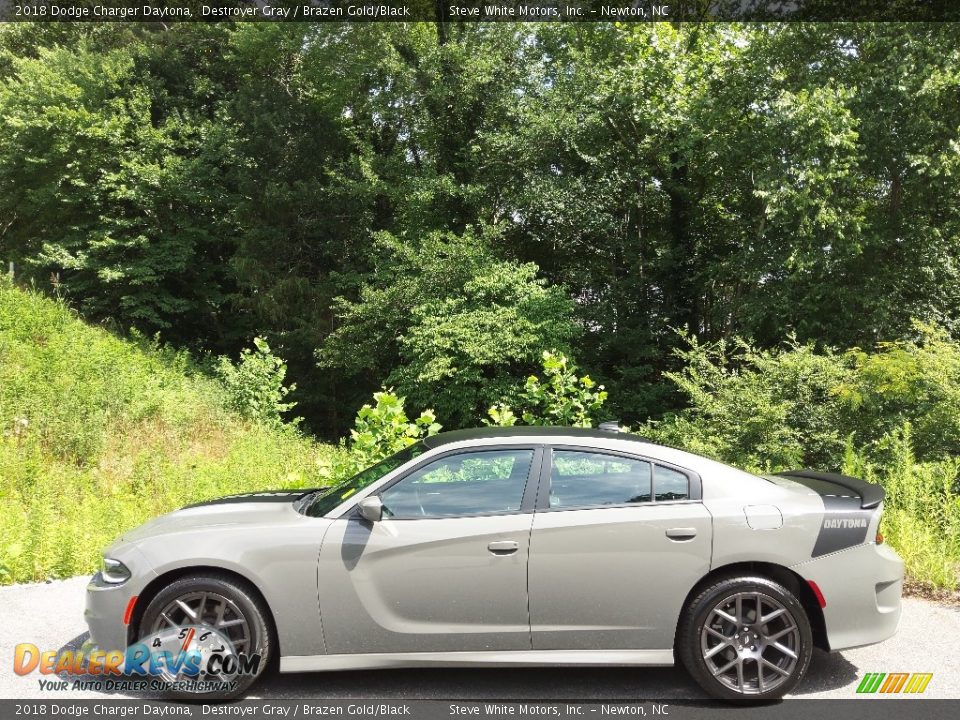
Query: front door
(445, 570)
(613, 553)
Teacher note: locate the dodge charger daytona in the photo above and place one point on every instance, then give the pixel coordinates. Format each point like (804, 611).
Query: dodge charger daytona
(516, 547)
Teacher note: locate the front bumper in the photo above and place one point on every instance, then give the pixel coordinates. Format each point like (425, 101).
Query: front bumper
(107, 604)
(104, 612)
(862, 587)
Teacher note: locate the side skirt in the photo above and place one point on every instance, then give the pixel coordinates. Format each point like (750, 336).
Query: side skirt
(510, 658)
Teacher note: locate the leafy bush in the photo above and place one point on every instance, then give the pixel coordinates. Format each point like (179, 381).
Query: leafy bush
(922, 509)
(916, 382)
(449, 324)
(759, 409)
(381, 430)
(797, 405)
(561, 398)
(255, 386)
(890, 416)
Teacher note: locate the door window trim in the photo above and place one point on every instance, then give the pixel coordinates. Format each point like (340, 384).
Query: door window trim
(695, 486)
(530, 487)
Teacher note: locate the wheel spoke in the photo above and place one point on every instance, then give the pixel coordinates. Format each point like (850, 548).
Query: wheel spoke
(725, 615)
(186, 608)
(717, 634)
(166, 618)
(780, 634)
(740, 674)
(785, 650)
(714, 650)
(720, 671)
(764, 619)
(773, 666)
(218, 622)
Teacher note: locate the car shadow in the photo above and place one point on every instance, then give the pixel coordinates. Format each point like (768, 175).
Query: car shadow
(828, 671)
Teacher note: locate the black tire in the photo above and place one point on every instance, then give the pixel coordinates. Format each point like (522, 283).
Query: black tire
(761, 651)
(245, 602)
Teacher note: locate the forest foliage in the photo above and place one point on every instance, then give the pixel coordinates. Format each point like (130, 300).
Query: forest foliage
(433, 206)
(738, 239)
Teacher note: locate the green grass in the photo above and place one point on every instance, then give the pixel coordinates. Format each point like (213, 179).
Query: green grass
(921, 517)
(98, 434)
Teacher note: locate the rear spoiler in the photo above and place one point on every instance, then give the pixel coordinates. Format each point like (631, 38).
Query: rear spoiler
(870, 494)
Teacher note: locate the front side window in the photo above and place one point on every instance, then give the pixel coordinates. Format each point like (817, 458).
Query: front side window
(327, 499)
(580, 479)
(469, 483)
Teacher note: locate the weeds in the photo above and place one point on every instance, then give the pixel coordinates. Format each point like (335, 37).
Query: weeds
(98, 434)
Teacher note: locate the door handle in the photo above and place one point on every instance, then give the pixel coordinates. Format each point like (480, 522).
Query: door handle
(503, 547)
(680, 534)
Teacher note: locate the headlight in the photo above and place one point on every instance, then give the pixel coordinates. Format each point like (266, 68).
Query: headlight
(113, 571)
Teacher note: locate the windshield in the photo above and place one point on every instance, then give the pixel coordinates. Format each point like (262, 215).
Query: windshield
(330, 498)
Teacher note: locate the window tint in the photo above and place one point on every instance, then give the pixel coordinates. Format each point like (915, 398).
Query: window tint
(584, 478)
(670, 485)
(326, 500)
(475, 483)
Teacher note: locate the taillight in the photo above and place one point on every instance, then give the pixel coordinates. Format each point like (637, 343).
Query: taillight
(879, 538)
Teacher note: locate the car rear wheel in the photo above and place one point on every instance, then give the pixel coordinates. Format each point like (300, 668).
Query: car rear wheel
(745, 638)
(214, 623)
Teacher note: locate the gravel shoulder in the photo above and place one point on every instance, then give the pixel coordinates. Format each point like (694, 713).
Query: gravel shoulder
(50, 616)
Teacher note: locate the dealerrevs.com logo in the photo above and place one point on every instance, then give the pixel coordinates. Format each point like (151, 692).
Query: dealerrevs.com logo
(193, 659)
(889, 683)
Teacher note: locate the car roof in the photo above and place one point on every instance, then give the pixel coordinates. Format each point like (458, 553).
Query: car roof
(490, 433)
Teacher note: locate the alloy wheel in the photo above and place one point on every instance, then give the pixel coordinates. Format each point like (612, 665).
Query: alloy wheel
(750, 642)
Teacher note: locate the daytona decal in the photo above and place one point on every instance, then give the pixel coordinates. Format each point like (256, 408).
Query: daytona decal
(834, 523)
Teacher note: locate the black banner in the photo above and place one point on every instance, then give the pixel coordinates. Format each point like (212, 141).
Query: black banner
(167, 11)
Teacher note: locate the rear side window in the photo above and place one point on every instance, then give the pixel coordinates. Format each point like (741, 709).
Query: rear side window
(670, 484)
(579, 479)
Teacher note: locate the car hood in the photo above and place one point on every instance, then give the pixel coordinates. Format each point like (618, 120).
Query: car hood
(256, 508)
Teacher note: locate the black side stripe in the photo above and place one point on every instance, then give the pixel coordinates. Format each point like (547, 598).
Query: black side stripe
(844, 524)
(267, 496)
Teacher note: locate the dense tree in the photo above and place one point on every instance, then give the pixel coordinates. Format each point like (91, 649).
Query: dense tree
(111, 169)
(449, 324)
(433, 205)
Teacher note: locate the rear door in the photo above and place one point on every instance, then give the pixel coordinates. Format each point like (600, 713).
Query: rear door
(617, 543)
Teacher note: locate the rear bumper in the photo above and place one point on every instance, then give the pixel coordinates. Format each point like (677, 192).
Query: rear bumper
(862, 587)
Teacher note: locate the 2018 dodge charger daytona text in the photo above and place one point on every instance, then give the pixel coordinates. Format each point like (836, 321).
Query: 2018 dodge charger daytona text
(514, 547)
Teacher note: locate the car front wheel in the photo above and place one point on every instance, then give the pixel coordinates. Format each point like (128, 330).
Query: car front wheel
(745, 639)
(213, 633)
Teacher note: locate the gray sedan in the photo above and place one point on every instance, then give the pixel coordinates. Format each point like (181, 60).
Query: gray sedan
(508, 547)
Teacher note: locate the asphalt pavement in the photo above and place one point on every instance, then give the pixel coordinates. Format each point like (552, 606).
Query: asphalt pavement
(50, 615)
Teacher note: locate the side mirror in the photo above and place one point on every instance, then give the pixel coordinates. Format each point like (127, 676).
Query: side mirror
(371, 508)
